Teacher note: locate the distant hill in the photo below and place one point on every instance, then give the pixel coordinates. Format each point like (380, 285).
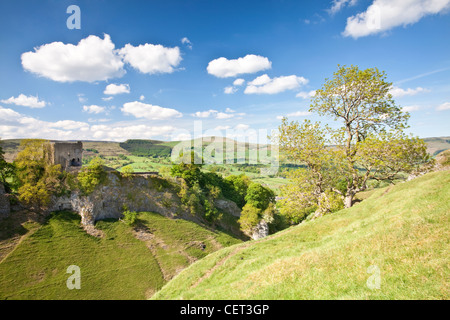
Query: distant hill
(437, 144)
(146, 148)
(157, 148)
(393, 245)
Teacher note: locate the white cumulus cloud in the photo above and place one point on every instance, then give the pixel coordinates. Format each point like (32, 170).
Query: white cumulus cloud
(410, 108)
(219, 128)
(205, 114)
(187, 42)
(306, 95)
(92, 59)
(113, 89)
(238, 82)
(229, 90)
(337, 5)
(383, 15)
(299, 114)
(399, 92)
(228, 114)
(94, 109)
(150, 58)
(224, 68)
(265, 85)
(69, 124)
(14, 125)
(26, 101)
(149, 111)
(223, 115)
(295, 114)
(444, 106)
(241, 126)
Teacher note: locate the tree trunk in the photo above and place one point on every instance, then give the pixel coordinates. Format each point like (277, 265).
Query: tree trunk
(348, 200)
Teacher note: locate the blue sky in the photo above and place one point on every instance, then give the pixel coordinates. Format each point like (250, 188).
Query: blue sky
(149, 69)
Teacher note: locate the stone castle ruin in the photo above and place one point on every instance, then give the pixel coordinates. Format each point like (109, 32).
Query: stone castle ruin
(68, 154)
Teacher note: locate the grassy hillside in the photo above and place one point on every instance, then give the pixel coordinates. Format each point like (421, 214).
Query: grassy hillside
(400, 233)
(437, 145)
(147, 148)
(127, 263)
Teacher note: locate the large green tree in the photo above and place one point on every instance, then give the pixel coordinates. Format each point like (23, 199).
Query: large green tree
(38, 178)
(368, 143)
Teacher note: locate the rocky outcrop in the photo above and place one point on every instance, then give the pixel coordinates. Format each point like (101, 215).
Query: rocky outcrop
(119, 194)
(228, 206)
(4, 203)
(261, 230)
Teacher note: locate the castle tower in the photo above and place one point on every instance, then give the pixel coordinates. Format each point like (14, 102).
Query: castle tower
(68, 154)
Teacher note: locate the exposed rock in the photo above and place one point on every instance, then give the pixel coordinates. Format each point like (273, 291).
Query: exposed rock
(111, 199)
(228, 206)
(261, 230)
(91, 230)
(4, 203)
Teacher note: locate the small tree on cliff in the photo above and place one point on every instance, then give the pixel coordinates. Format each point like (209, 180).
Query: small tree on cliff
(370, 143)
(91, 176)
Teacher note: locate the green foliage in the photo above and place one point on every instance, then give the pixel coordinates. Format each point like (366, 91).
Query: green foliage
(250, 217)
(164, 171)
(8, 175)
(38, 179)
(235, 188)
(129, 217)
(211, 213)
(160, 184)
(371, 138)
(200, 189)
(127, 171)
(361, 100)
(91, 176)
(146, 148)
(258, 196)
(191, 173)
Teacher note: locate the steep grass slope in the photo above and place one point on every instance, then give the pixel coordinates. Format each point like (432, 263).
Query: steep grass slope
(394, 245)
(127, 263)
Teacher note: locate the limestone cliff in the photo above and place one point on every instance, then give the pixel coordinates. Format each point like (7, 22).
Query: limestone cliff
(137, 193)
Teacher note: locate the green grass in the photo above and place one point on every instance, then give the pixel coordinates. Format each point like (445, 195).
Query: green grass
(402, 230)
(117, 266)
(177, 242)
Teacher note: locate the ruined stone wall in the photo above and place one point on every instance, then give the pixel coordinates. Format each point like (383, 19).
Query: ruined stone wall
(67, 154)
(110, 200)
(140, 194)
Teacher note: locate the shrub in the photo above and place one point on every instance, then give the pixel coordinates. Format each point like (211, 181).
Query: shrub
(130, 217)
(91, 176)
(211, 213)
(250, 217)
(259, 196)
(127, 171)
(37, 179)
(235, 188)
